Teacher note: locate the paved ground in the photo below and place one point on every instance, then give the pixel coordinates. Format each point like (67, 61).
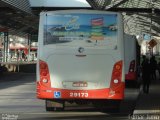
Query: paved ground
(25, 67)
(18, 100)
(149, 103)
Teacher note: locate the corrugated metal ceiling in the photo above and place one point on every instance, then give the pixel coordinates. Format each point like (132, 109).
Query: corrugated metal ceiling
(137, 20)
(16, 16)
(19, 18)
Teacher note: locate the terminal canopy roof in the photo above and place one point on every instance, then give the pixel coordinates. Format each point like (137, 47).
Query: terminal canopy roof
(17, 17)
(22, 16)
(140, 16)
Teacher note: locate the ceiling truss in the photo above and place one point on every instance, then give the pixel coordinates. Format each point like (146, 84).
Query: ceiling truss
(140, 16)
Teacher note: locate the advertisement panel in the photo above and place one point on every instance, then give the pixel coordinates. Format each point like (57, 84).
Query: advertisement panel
(64, 28)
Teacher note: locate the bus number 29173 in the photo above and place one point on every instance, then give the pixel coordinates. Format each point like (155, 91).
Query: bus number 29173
(78, 94)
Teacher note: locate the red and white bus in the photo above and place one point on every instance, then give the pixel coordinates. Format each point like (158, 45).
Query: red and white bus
(80, 57)
(132, 59)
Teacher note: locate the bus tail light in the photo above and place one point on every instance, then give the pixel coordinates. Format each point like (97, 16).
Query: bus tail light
(44, 74)
(132, 66)
(116, 75)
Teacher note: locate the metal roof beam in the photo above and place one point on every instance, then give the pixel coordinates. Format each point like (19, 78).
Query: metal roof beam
(99, 4)
(136, 25)
(21, 5)
(135, 10)
(116, 4)
(154, 18)
(127, 10)
(148, 20)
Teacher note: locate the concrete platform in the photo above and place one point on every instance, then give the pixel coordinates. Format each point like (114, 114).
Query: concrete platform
(148, 104)
(26, 67)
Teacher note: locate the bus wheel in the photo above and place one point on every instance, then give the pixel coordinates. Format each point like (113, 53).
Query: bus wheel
(54, 105)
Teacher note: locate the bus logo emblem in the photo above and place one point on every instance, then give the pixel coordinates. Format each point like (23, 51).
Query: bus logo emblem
(81, 50)
(80, 84)
(57, 94)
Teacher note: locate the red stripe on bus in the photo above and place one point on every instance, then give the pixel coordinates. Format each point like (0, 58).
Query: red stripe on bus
(106, 93)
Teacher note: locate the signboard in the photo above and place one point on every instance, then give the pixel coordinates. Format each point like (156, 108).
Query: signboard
(152, 43)
(65, 28)
(146, 37)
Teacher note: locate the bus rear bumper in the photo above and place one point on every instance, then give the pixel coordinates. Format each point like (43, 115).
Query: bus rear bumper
(56, 93)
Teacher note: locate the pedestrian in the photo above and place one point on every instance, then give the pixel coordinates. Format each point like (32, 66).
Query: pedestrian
(145, 74)
(23, 56)
(17, 52)
(158, 68)
(153, 65)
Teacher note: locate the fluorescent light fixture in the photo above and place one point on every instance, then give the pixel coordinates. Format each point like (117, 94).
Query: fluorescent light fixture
(82, 1)
(59, 3)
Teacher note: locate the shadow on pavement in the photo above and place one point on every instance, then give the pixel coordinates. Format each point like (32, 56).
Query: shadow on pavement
(10, 79)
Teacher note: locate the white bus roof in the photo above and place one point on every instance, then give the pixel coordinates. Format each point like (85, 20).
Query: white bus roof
(78, 11)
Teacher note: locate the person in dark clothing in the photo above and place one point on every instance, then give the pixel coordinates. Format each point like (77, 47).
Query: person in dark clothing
(158, 67)
(23, 56)
(153, 64)
(145, 74)
(17, 55)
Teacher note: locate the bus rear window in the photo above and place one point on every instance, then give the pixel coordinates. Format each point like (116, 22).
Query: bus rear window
(86, 29)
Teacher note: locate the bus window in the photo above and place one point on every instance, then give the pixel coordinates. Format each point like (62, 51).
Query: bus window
(81, 29)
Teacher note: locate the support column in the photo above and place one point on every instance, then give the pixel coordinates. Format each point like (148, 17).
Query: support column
(29, 46)
(6, 47)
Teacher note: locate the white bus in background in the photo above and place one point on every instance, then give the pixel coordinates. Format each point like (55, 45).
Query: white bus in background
(132, 59)
(80, 58)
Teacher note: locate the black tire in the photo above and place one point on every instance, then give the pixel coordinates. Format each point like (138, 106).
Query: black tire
(52, 108)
